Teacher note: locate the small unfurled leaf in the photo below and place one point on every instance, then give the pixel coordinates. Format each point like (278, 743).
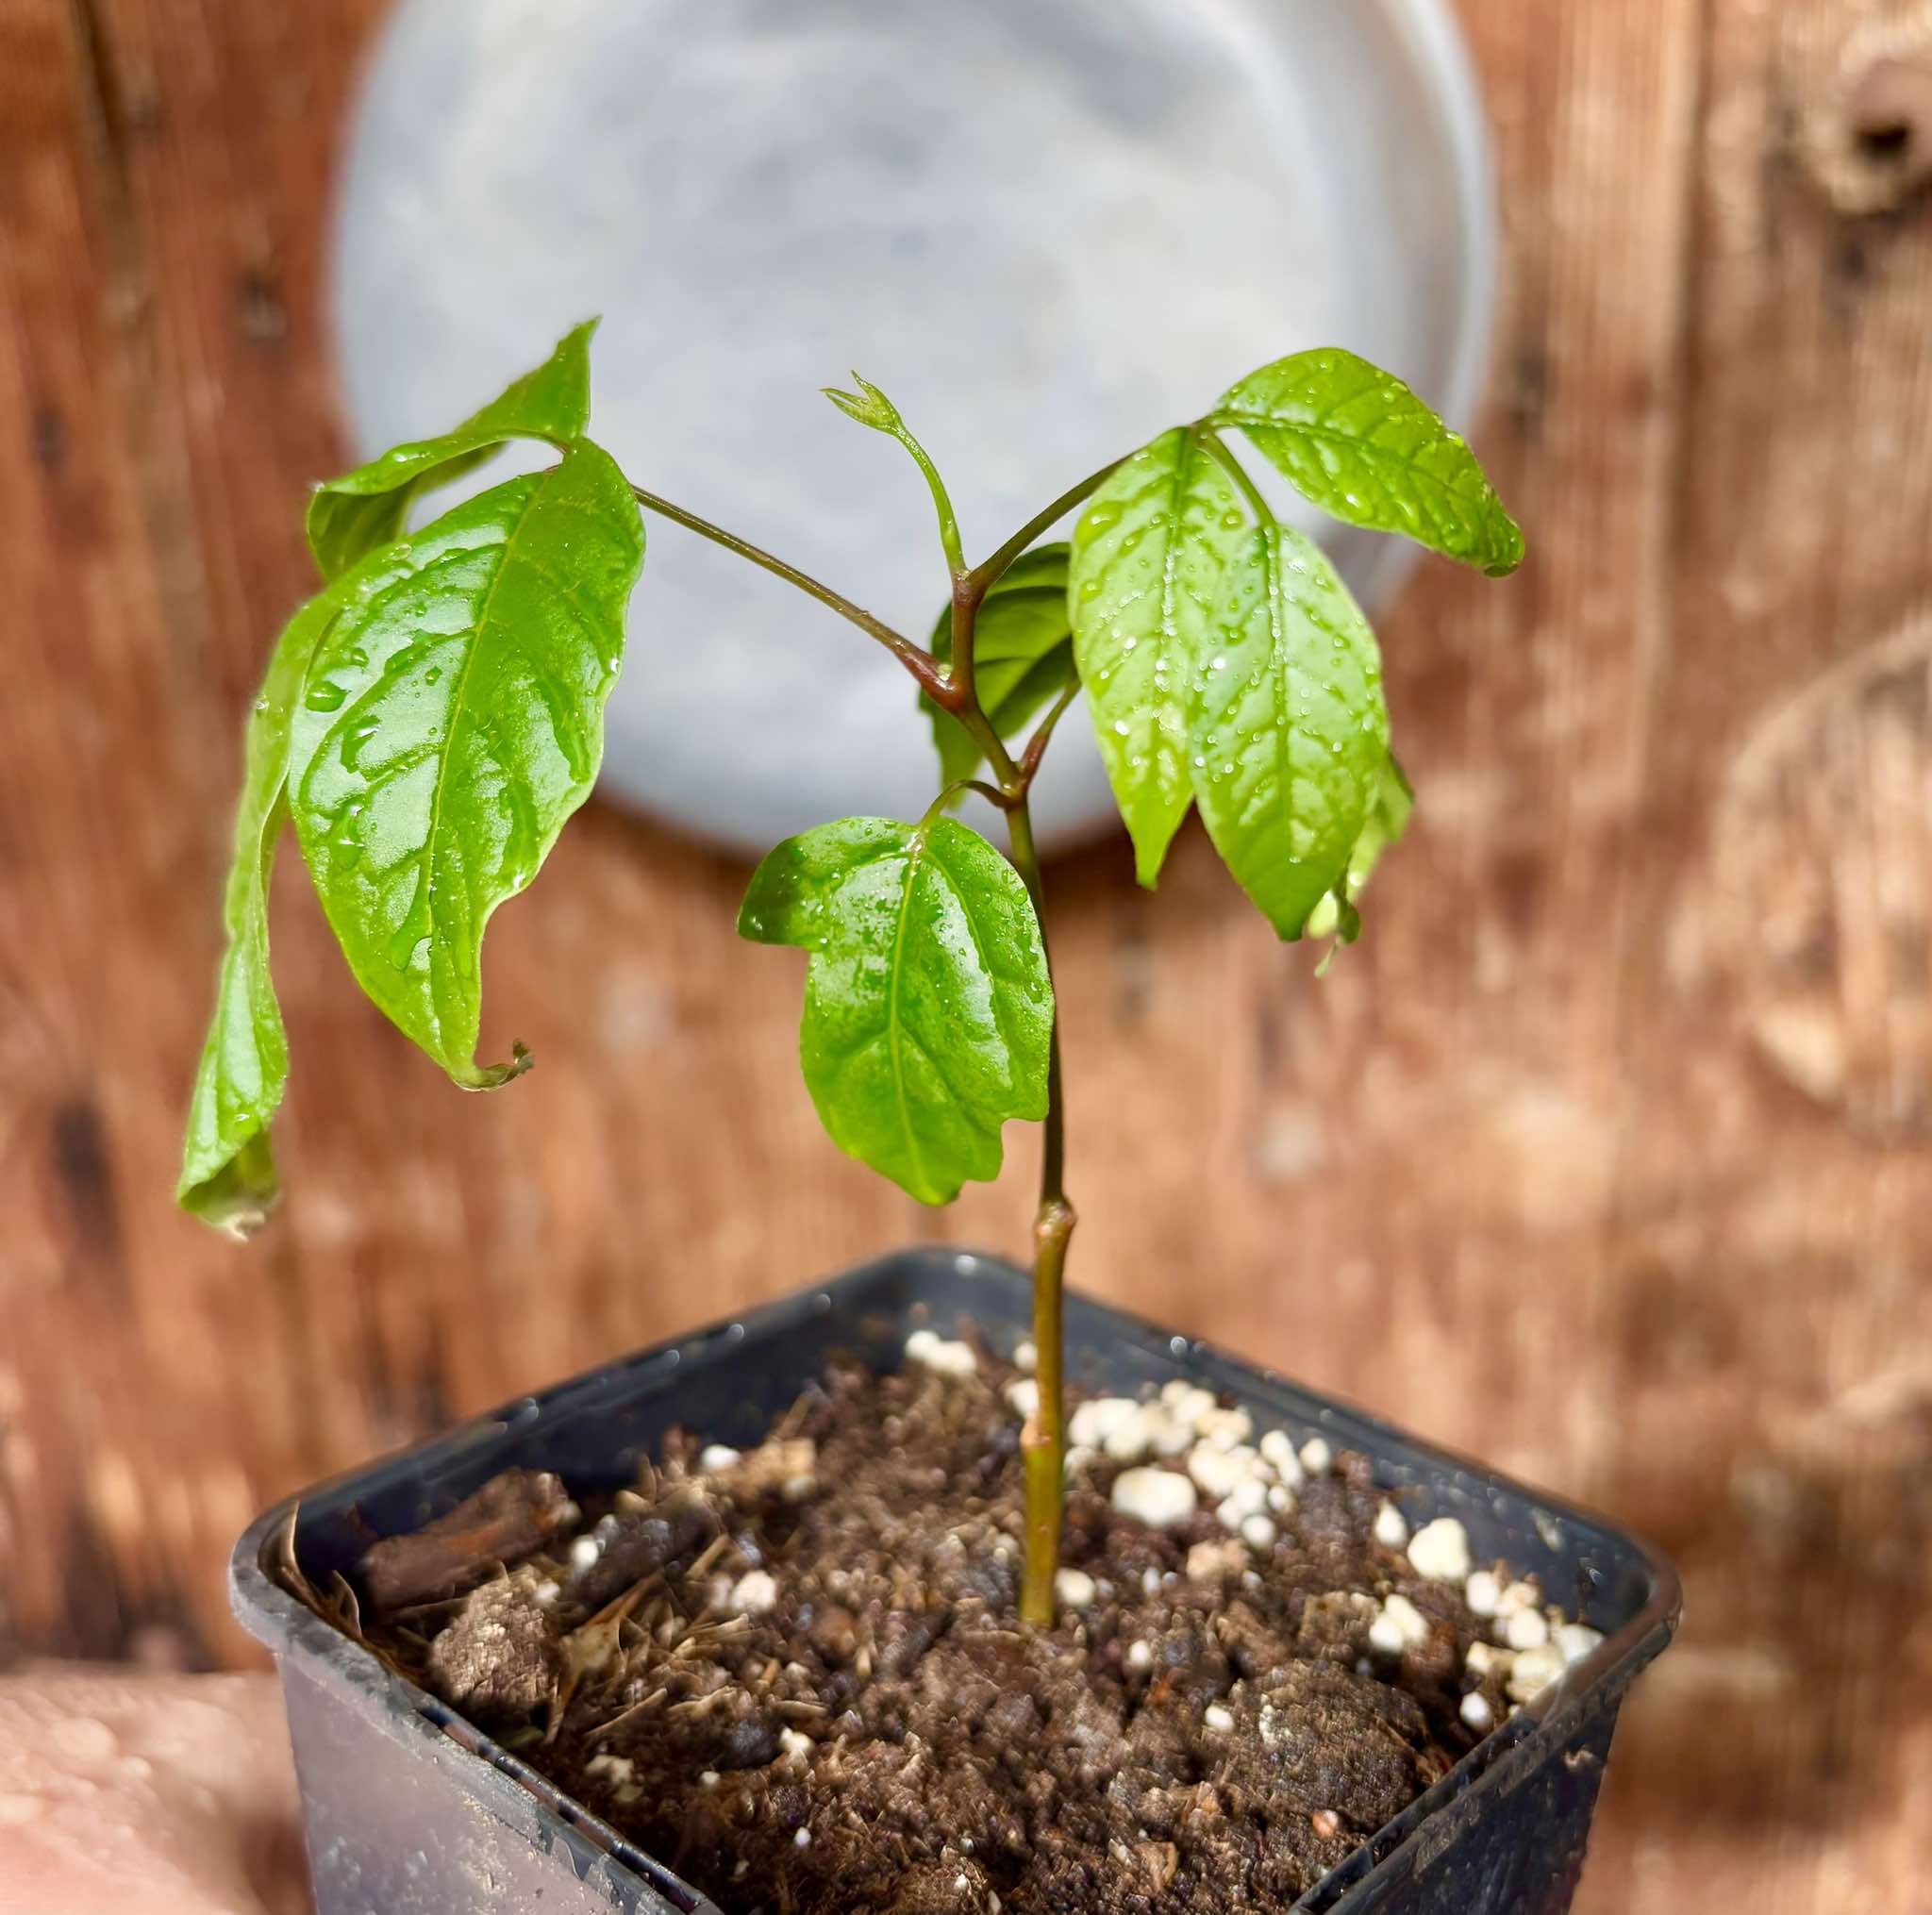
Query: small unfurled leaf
(1022, 655)
(1359, 444)
(451, 722)
(928, 1012)
(1387, 819)
(1290, 733)
(1146, 555)
(364, 508)
(227, 1167)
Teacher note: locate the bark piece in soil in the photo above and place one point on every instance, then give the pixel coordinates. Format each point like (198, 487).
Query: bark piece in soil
(512, 1516)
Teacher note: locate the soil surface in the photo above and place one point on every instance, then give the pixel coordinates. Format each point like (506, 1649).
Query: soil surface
(796, 1676)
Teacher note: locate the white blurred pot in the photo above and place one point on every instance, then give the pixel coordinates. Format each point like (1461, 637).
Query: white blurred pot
(1048, 231)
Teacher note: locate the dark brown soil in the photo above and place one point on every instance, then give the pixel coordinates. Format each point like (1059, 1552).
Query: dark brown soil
(885, 1736)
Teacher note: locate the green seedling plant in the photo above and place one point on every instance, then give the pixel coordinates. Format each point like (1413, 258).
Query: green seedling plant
(434, 713)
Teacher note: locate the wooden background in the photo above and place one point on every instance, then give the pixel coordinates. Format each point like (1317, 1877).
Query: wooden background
(1608, 1155)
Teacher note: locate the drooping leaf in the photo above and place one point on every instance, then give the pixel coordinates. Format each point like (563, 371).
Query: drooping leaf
(1359, 444)
(1336, 915)
(928, 1012)
(1290, 730)
(364, 508)
(227, 1167)
(452, 721)
(1145, 558)
(1022, 655)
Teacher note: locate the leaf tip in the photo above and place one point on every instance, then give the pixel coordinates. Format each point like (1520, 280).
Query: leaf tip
(868, 405)
(238, 1196)
(1510, 555)
(494, 1077)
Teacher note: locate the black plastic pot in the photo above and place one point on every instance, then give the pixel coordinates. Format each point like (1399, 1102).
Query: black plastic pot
(412, 1812)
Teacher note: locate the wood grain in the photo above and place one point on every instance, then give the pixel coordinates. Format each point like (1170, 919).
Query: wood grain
(1608, 1154)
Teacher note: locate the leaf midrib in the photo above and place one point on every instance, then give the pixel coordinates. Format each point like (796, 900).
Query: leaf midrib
(915, 853)
(457, 695)
(1284, 751)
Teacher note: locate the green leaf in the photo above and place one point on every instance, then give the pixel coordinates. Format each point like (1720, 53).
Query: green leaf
(1357, 442)
(868, 405)
(227, 1168)
(928, 1011)
(1290, 733)
(364, 508)
(1145, 558)
(1386, 820)
(452, 721)
(1022, 655)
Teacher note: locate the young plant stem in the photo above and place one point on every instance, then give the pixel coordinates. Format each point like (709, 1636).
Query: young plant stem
(916, 659)
(1043, 1442)
(1218, 449)
(982, 576)
(942, 501)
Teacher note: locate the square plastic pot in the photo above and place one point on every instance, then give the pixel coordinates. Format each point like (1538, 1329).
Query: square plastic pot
(411, 1811)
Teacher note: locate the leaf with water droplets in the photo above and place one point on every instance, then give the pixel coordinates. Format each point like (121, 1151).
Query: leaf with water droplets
(928, 1011)
(227, 1168)
(1386, 821)
(1022, 655)
(452, 720)
(1291, 732)
(364, 508)
(1145, 558)
(1357, 442)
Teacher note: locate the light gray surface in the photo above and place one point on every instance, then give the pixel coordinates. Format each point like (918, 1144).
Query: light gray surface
(1047, 230)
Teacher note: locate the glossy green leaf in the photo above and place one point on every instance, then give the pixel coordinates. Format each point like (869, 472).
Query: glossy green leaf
(452, 721)
(1359, 444)
(364, 508)
(1145, 558)
(1290, 734)
(1336, 916)
(1022, 655)
(227, 1168)
(928, 1012)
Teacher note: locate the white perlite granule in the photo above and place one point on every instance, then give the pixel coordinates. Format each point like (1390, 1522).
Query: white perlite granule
(1075, 1588)
(754, 1592)
(1526, 1629)
(1440, 1551)
(1483, 1592)
(1159, 1498)
(947, 1356)
(1532, 1672)
(1095, 1420)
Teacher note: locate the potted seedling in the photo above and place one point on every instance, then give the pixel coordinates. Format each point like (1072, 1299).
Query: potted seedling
(895, 1596)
